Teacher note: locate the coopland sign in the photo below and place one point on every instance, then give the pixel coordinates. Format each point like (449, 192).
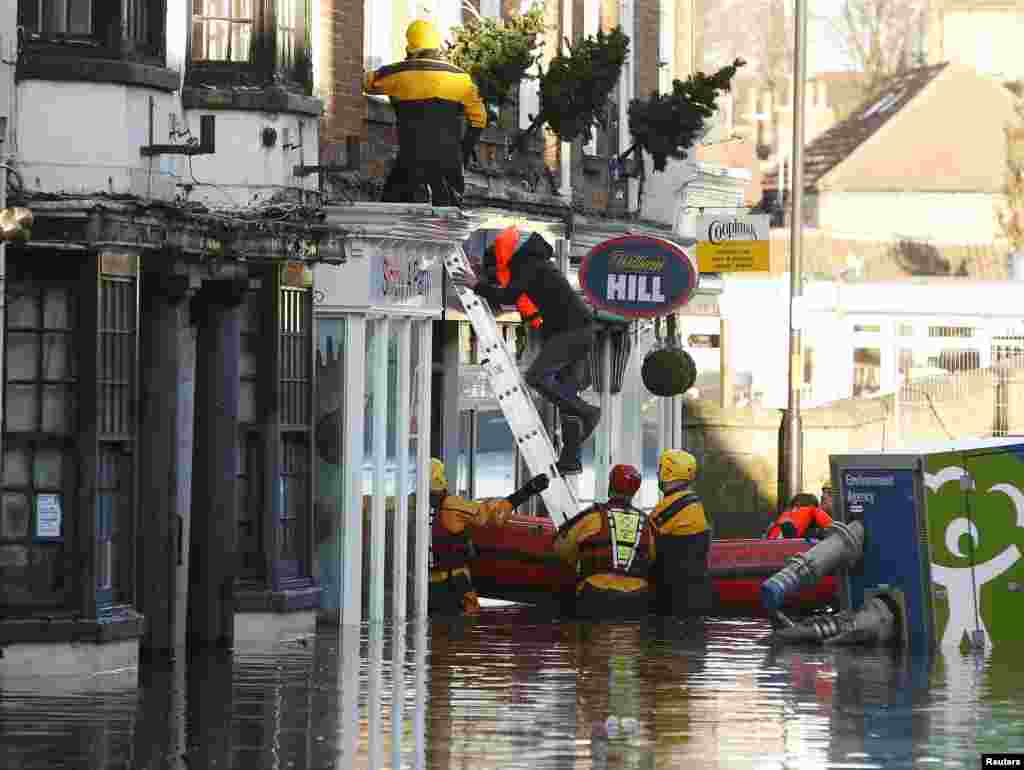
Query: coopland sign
(638, 276)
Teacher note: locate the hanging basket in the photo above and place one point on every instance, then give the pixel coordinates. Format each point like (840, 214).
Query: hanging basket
(668, 371)
(621, 347)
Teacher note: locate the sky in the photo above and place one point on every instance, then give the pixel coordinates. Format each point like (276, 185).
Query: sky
(822, 53)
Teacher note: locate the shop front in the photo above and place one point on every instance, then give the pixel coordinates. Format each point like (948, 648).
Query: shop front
(374, 319)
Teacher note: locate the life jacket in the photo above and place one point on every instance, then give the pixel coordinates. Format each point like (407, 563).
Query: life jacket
(680, 513)
(449, 551)
(504, 248)
(622, 546)
(801, 520)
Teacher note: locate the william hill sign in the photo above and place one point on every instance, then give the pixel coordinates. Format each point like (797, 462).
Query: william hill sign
(638, 276)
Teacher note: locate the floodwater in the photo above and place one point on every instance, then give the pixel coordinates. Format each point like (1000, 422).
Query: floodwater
(512, 689)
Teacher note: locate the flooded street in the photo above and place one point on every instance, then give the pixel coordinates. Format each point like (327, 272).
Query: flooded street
(511, 689)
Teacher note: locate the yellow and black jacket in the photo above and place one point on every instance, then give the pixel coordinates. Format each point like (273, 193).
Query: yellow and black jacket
(430, 97)
(680, 513)
(681, 577)
(610, 544)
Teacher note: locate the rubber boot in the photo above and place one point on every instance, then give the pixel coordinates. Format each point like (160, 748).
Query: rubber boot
(570, 461)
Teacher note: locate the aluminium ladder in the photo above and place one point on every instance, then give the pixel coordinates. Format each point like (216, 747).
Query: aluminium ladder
(514, 398)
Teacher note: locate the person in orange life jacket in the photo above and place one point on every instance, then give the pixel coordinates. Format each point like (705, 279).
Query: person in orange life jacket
(611, 545)
(803, 518)
(431, 97)
(452, 520)
(682, 583)
(566, 329)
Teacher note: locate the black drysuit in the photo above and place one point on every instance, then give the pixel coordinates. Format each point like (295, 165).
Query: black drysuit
(568, 333)
(430, 97)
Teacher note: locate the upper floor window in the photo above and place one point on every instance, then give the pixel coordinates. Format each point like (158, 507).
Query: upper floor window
(122, 30)
(221, 30)
(243, 42)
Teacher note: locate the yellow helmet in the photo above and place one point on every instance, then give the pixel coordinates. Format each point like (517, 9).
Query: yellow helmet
(422, 35)
(676, 465)
(438, 481)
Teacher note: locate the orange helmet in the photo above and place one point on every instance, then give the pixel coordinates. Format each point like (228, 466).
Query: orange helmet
(623, 481)
(505, 246)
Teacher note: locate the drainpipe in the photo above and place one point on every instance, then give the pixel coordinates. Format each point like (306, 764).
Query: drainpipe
(626, 91)
(566, 152)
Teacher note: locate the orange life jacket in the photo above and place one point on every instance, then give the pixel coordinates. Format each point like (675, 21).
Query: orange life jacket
(449, 550)
(504, 247)
(801, 518)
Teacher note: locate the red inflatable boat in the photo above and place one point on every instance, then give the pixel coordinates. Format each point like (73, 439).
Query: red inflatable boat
(516, 563)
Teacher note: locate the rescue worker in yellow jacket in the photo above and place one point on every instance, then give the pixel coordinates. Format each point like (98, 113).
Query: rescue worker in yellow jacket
(611, 546)
(682, 583)
(431, 97)
(452, 521)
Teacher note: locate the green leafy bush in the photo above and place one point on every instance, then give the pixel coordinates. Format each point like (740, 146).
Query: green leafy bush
(575, 89)
(498, 54)
(667, 125)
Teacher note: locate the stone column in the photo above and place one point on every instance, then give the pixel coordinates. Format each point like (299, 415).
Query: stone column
(213, 558)
(165, 439)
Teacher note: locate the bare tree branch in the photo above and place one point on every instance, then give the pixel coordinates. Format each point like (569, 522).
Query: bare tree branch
(880, 37)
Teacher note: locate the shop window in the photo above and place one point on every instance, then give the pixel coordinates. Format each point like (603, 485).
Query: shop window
(37, 506)
(295, 393)
(957, 332)
(867, 369)
(116, 419)
(126, 29)
(249, 491)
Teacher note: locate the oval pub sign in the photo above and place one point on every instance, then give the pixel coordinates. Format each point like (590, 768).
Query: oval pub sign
(638, 276)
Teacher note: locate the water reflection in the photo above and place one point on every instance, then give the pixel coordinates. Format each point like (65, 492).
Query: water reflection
(514, 689)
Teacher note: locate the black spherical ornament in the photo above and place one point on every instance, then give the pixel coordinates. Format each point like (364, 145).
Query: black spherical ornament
(668, 372)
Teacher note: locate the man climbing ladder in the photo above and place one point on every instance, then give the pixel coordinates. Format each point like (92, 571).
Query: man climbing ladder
(524, 268)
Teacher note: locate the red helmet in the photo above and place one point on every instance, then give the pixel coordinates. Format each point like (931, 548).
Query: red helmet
(624, 481)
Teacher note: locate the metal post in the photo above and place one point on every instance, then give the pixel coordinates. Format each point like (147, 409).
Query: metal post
(352, 475)
(400, 541)
(422, 544)
(791, 430)
(378, 503)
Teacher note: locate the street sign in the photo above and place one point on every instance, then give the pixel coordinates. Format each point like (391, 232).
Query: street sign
(638, 276)
(733, 243)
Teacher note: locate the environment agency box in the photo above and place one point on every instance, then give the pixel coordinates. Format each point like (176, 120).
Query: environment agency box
(944, 525)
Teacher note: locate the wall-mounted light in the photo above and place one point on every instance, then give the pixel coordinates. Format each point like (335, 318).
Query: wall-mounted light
(268, 136)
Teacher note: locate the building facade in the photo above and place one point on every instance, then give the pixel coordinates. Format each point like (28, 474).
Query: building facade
(158, 360)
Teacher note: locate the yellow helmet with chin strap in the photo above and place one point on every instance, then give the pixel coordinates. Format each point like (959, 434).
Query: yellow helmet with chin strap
(422, 35)
(438, 480)
(676, 465)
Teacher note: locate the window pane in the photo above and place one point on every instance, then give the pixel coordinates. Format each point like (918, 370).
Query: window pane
(21, 408)
(217, 40)
(58, 363)
(80, 17)
(56, 313)
(16, 468)
(240, 40)
(49, 469)
(22, 307)
(58, 408)
(22, 356)
(247, 401)
(14, 515)
(241, 9)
